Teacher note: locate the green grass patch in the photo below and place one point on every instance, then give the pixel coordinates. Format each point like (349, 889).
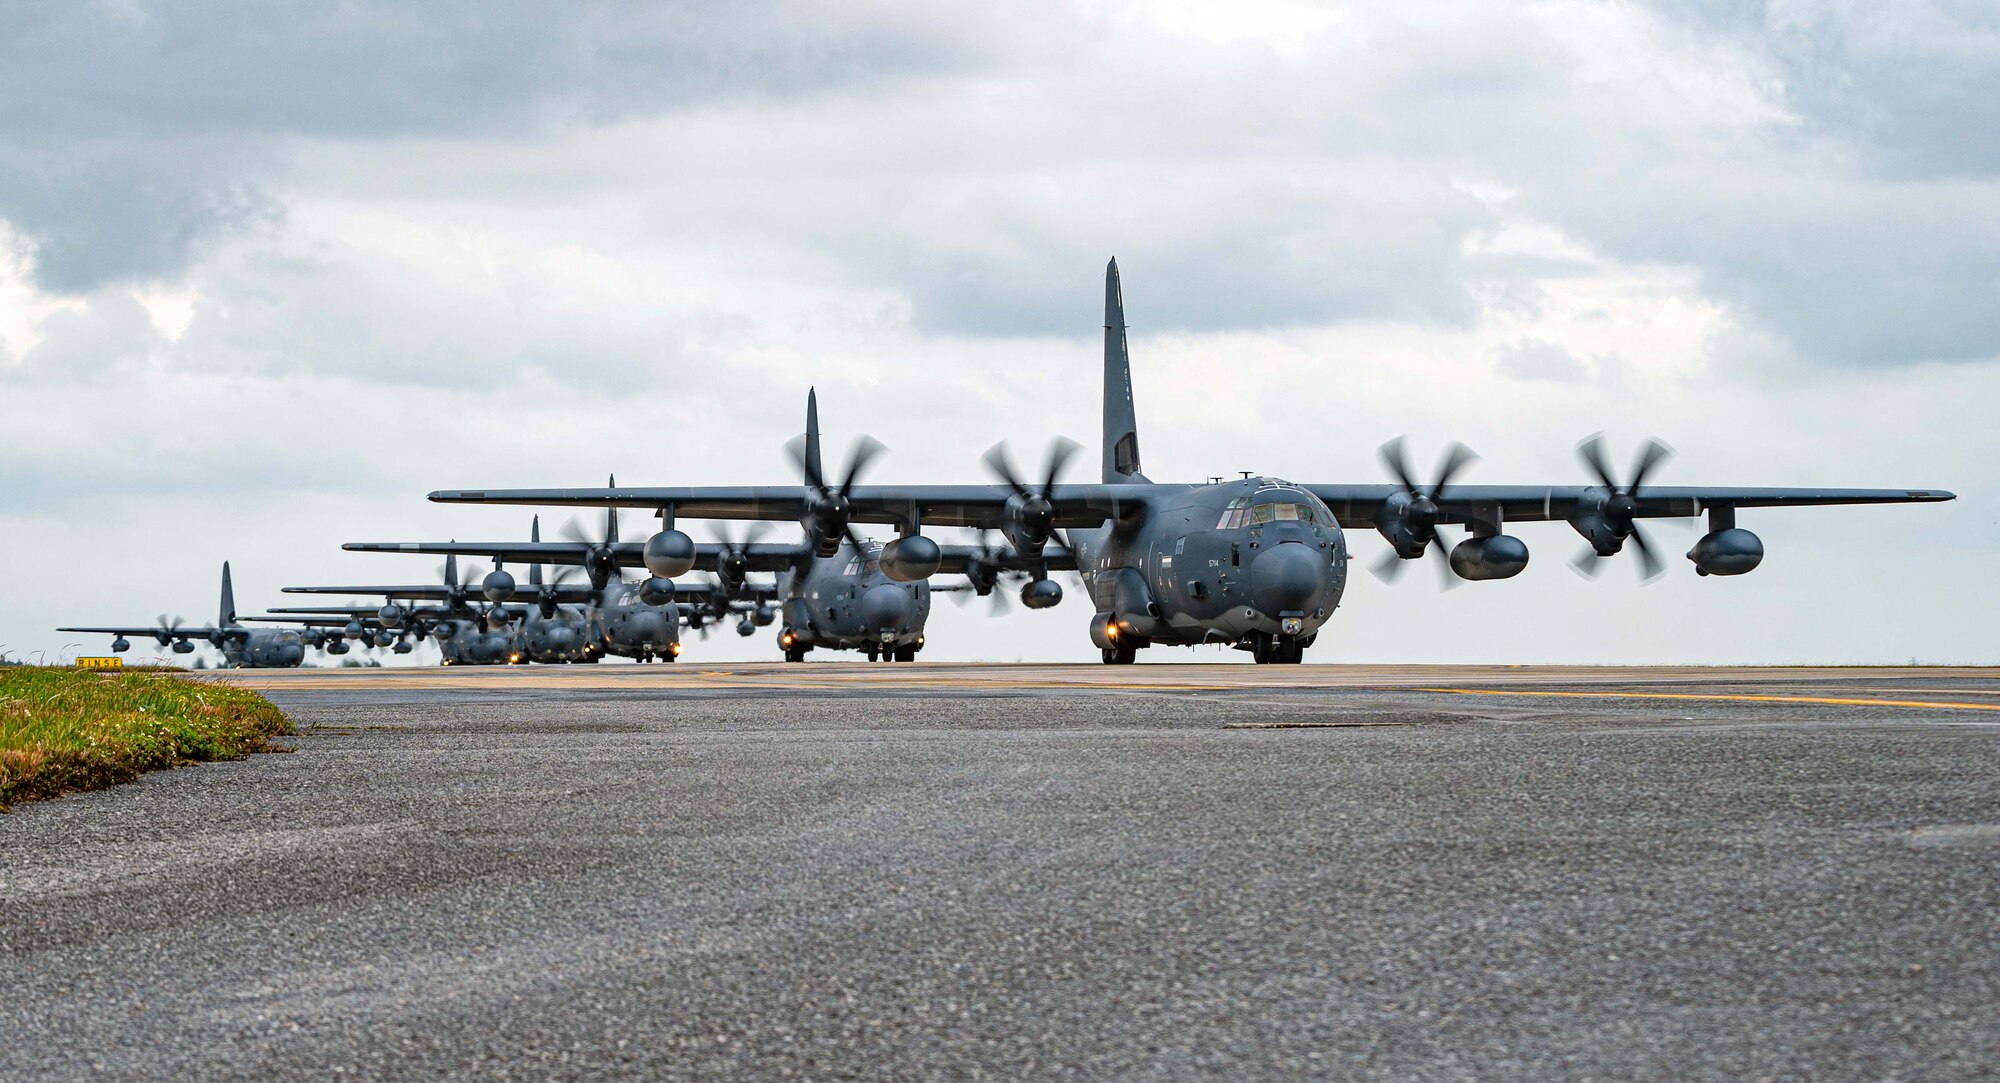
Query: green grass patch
(64, 730)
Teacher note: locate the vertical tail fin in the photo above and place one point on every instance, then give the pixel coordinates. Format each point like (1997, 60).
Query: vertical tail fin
(535, 569)
(815, 474)
(227, 616)
(611, 515)
(1121, 424)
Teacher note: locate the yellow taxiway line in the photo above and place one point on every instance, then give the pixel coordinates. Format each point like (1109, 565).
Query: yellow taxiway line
(1834, 701)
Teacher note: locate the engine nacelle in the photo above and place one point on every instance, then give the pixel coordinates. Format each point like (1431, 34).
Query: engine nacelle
(445, 630)
(911, 558)
(391, 615)
(354, 629)
(656, 591)
(1041, 594)
(669, 553)
(1727, 552)
(403, 646)
(182, 646)
(336, 646)
(498, 586)
(1501, 556)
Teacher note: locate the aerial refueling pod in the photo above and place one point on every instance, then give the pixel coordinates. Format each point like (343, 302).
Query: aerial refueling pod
(657, 591)
(1727, 552)
(910, 558)
(669, 553)
(498, 586)
(182, 646)
(744, 627)
(1498, 556)
(1041, 594)
(120, 645)
(763, 615)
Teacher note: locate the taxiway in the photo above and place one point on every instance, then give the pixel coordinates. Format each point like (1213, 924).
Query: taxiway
(1012, 871)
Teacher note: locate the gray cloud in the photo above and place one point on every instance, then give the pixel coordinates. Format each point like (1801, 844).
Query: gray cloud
(132, 134)
(1534, 359)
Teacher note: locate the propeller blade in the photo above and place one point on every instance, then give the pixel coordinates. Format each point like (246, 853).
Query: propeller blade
(1061, 450)
(866, 449)
(1396, 459)
(1001, 465)
(1591, 451)
(1651, 455)
(795, 448)
(1388, 567)
(1456, 457)
(1449, 578)
(1650, 566)
(1587, 562)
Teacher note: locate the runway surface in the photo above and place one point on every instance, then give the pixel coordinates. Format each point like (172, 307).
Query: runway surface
(842, 870)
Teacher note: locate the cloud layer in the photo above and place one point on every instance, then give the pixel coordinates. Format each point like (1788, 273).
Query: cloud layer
(259, 265)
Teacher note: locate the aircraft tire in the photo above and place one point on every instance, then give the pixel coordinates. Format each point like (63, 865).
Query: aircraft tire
(906, 654)
(1121, 655)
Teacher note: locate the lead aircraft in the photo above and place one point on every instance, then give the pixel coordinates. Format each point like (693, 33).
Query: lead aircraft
(1259, 564)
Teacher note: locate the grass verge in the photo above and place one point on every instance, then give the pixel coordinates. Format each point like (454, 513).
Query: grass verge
(64, 730)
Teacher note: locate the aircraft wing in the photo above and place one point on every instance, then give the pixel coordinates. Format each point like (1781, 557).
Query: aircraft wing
(1361, 505)
(316, 622)
(759, 556)
(185, 631)
(436, 591)
(929, 505)
(958, 558)
(556, 552)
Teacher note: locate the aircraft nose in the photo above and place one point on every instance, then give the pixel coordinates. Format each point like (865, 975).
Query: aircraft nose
(886, 609)
(1287, 577)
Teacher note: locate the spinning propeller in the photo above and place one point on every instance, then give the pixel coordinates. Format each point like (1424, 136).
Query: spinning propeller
(1031, 512)
(1416, 517)
(601, 560)
(827, 506)
(732, 563)
(169, 629)
(1620, 512)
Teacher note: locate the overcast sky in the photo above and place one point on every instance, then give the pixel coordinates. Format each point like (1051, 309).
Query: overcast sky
(268, 275)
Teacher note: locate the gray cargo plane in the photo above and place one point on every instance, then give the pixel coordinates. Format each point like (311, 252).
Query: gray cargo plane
(832, 593)
(241, 647)
(463, 626)
(561, 621)
(1258, 564)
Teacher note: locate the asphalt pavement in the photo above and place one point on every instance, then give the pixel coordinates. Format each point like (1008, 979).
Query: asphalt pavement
(804, 873)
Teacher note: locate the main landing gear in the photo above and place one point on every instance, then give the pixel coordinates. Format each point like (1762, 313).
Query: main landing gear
(1123, 654)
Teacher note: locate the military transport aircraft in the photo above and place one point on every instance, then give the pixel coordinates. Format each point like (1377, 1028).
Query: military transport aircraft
(245, 648)
(467, 630)
(837, 593)
(332, 628)
(566, 621)
(1258, 564)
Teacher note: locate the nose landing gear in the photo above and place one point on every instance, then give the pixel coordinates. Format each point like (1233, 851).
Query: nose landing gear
(1277, 650)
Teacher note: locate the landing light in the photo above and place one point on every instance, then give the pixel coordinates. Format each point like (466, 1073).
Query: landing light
(676, 649)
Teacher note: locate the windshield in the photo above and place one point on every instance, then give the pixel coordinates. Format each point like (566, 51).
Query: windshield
(1275, 508)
